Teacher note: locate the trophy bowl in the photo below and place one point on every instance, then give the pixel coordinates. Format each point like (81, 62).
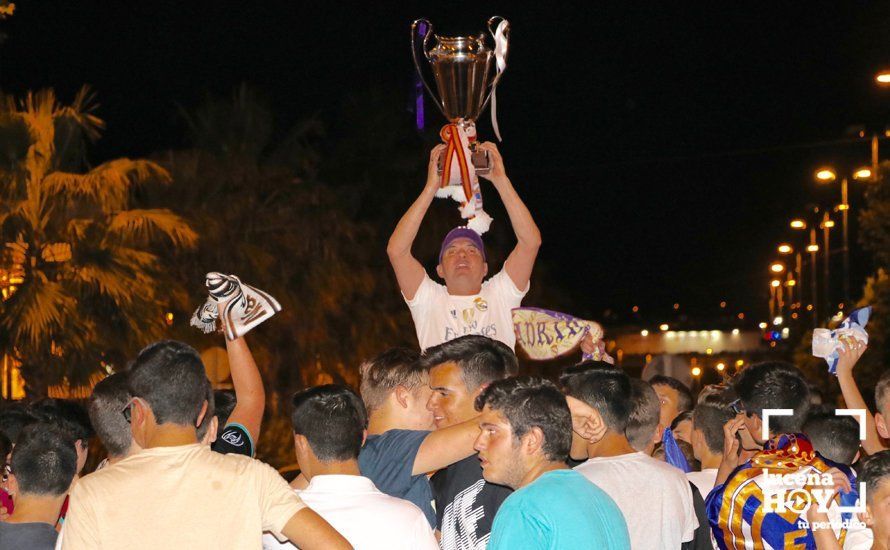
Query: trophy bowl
(462, 69)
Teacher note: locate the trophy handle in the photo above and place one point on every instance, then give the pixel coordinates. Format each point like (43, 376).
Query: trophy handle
(426, 39)
(492, 29)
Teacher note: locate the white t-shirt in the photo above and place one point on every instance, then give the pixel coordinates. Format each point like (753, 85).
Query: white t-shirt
(179, 497)
(703, 480)
(654, 497)
(440, 317)
(369, 519)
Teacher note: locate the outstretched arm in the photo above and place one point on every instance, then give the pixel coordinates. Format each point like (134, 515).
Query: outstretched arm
(528, 237)
(409, 272)
(444, 447)
(250, 396)
(306, 529)
(847, 358)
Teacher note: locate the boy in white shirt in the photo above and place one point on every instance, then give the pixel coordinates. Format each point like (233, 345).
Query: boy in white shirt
(655, 497)
(330, 425)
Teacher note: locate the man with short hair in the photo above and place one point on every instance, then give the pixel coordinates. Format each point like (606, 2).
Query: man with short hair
(708, 419)
(109, 398)
(176, 492)
(835, 437)
(329, 425)
(465, 304)
(524, 442)
(460, 370)
(400, 449)
(44, 462)
(655, 497)
(745, 494)
(71, 417)
(643, 422)
(674, 397)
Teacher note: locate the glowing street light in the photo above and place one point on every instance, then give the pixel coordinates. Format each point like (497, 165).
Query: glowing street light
(721, 367)
(798, 224)
(777, 267)
(862, 174)
(778, 320)
(696, 371)
(644, 332)
(735, 332)
(663, 327)
(825, 175)
(813, 248)
(775, 283)
(883, 77)
(762, 326)
(785, 249)
(828, 224)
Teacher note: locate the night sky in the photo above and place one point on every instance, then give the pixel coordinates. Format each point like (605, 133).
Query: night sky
(662, 147)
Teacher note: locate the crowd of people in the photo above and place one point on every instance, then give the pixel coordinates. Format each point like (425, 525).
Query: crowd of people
(446, 446)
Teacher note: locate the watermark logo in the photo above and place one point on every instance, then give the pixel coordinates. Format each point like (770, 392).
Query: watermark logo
(797, 491)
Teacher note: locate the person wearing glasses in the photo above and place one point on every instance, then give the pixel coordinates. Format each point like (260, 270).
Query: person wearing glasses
(177, 492)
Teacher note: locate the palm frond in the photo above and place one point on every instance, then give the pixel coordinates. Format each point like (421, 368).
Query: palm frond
(144, 225)
(108, 185)
(39, 309)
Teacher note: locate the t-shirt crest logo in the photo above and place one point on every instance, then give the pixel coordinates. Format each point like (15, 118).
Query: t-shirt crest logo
(481, 304)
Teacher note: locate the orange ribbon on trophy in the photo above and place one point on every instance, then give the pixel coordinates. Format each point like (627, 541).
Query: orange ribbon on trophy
(462, 184)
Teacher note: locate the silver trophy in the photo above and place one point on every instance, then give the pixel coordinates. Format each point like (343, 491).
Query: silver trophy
(462, 67)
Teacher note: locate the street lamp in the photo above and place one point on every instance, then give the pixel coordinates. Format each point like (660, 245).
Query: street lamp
(798, 224)
(825, 175)
(777, 267)
(785, 249)
(861, 174)
(883, 77)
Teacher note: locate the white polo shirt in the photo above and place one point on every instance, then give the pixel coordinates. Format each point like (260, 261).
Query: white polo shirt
(367, 518)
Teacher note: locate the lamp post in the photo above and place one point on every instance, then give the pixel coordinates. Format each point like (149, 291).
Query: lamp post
(828, 175)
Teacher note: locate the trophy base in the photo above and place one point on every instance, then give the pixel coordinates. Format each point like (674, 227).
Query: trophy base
(480, 161)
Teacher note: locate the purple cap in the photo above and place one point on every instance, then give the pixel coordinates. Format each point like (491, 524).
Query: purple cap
(462, 233)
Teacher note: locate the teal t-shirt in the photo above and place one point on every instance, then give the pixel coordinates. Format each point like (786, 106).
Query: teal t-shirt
(559, 510)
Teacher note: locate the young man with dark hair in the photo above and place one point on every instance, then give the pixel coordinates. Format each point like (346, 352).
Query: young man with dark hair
(400, 450)
(465, 304)
(460, 370)
(673, 396)
(329, 424)
(71, 418)
(834, 437)
(226, 500)
(109, 398)
(643, 422)
(44, 462)
(762, 388)
(524, 443)
(655, 497)
(708, 419)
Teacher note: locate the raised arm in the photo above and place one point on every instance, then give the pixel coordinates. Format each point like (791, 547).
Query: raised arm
(528, 237)
(250, 396)
(847, 358)
(444, 447)
(409, 272)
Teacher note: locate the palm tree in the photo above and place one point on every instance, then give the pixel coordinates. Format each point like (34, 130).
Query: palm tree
(85, 285)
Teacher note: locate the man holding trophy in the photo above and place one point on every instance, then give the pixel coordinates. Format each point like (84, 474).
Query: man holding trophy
(465, 304)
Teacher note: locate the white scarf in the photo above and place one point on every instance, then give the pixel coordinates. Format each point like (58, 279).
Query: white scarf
(246, 306)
